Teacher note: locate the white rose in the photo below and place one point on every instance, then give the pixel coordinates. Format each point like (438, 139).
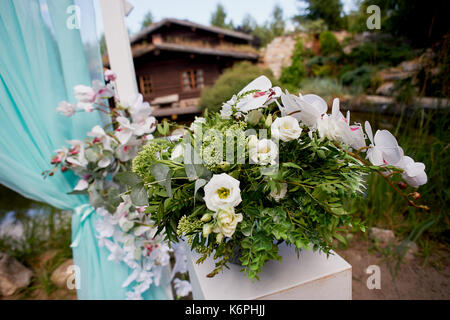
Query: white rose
(222, 191)
(277, 196)
(286, 128)
(177, 152)
(262, 152)
(226, 221)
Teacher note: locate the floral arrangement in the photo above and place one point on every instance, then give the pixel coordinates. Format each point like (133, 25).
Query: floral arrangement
(270, 167)
(101, 160)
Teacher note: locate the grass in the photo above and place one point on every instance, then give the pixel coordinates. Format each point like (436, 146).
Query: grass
(425, 137)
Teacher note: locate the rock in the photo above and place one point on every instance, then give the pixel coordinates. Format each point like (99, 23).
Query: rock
(383, 236)
(395, 74)
(411, 65)
(412, 250)
(386, 89)
(13, 275)
(60, 275)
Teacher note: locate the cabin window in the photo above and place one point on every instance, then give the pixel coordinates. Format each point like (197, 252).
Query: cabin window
(192, 79)
(145, 84)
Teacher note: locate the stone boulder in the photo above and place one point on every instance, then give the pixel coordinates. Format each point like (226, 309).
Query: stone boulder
(13, 275)
(383, 236)
(60, 275)
(386, 89)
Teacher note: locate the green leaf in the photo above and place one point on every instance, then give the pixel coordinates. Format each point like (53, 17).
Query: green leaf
(139, 195)
(162, 174)
(291, 165)
(128, 178)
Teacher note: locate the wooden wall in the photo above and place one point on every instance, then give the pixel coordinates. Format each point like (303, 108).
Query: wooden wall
(165, 70)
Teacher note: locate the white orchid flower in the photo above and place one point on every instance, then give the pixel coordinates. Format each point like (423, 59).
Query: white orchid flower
(110, 75)
(129, 150)
(87, 96)
(307, 109)
(81, 185)
(262, 94)
(139, 110)
(384, 148)
(99, 133)
(77, 154)
(66, 109)
(337, 127)
(414, 172)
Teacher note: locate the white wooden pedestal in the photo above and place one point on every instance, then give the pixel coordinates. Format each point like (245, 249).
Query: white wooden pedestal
(311, 276)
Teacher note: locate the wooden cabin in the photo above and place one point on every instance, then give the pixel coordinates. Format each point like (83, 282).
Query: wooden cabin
(175, 59)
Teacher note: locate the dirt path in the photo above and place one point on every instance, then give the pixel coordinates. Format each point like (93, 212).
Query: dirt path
(412, 280)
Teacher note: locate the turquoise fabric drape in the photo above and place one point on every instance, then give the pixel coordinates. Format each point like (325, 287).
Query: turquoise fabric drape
(40, 62)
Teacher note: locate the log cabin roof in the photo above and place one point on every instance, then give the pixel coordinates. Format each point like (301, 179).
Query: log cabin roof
(155, 26)
(144, 49)
(140, 50)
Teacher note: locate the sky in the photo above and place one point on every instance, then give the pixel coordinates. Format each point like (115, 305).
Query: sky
(200, 10)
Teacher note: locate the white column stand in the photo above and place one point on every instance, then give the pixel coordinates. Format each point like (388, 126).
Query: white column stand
(312, 276)
(119, 50)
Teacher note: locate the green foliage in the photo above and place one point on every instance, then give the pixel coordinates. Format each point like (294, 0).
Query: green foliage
(229, 83)
(430, 19)
(328, 10)
(277, 25)
(360, 76)
(292, 75)
(218, 18)
(148, 20)
(329, 43)
(325, 87)
(387, 51)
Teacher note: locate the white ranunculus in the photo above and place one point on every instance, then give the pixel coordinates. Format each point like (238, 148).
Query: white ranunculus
(226, 221)
(222, 191)
(262, 152)
(285, 128)
(414, 172)
(177, 152)
(277, 196)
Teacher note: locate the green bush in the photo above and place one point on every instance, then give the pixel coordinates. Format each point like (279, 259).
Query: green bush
(229, 83)
(387, 52)
(329, 43)
(360, 77)
(324, 87)
(292, 75)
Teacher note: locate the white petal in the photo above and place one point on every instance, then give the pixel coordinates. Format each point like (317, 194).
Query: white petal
(81, 185)
(262, 83)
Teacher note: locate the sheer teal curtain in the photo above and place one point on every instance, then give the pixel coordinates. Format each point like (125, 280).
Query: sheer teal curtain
(41, 59)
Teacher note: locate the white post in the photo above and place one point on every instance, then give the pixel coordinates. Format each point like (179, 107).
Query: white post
(121, 62)
(119, 50)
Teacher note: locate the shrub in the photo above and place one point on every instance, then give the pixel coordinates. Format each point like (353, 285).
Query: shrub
(324, 87)
(360, 76)
(292, 75)
(229, 83)
(329, 43)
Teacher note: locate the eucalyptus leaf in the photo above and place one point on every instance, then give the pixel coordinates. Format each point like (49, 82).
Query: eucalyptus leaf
(138, 195)
(128, 178)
